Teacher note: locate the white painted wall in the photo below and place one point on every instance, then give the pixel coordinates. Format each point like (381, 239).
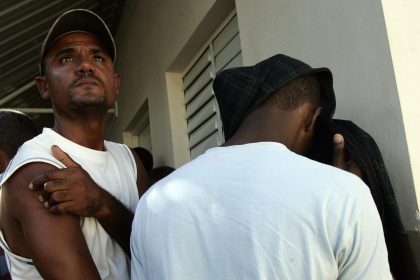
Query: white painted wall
(155, 42)
(157, 39)
(350, 38)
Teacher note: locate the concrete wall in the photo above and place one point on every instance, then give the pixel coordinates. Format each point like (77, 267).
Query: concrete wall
(374, 87)
(156, 40)
(350, 38)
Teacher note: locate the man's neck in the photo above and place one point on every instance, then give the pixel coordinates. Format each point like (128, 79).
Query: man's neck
(264, 126)
(87, 132)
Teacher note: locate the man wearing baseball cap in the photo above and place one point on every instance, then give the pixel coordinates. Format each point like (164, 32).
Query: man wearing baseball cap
(69, 195)
(255, 208)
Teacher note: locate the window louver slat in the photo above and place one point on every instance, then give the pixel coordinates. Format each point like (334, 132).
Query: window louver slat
(203, 120)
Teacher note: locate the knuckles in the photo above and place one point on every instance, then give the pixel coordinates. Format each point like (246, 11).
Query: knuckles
(59, 196)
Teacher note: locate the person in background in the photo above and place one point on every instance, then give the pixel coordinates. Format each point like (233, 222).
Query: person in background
(15, 129)
(79, 191)
(153, 174)
(145, 156)
(256, 208)
(158, 173)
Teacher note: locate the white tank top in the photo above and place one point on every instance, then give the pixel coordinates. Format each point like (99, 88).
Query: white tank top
(114, 170)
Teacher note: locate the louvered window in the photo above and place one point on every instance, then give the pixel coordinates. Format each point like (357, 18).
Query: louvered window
(203, 118)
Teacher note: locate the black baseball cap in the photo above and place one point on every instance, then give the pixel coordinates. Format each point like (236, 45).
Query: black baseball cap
(79, 20)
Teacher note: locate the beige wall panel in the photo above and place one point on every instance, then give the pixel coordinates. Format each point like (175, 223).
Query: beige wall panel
(403, 24)
(350, 38)
(157, 39)
(153, 38)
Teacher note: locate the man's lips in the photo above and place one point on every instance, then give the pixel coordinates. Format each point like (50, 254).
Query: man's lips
(87, 82)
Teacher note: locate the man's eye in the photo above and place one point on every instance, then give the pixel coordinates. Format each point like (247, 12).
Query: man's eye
(65, 59)
(99, 58)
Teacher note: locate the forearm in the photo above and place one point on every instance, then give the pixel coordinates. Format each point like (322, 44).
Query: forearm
(116, 219)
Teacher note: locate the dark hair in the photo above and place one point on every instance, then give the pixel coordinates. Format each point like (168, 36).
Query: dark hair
(145, 156)
(15, 129)
(297, 92)
(158, 173)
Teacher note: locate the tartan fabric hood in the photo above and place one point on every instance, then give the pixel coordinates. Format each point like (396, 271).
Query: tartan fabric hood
(239, 91)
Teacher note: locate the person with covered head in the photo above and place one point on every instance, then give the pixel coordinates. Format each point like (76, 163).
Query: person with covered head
(68, 196)
(256, 208)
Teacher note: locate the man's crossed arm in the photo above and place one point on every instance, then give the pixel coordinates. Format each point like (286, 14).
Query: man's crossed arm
(72, 190)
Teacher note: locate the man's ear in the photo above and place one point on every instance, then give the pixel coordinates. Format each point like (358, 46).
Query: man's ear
(311, 119)
(41, 83)
(117, 83)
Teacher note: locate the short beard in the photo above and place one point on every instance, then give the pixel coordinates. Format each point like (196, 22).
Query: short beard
(87, 104)
(88, 99)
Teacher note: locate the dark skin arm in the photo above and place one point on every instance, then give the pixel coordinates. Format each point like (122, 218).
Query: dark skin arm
(55, 243)
(72, 190)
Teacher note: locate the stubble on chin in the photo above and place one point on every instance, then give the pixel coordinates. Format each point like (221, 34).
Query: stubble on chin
(89, 101)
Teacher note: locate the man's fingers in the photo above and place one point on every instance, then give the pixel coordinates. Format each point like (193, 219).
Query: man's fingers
(49, 181)
(59, 154)
(59, 197)
(55, 199)
(61, 208)
(38, 182)
(339, 159)
(56, 185)
(56, 174)
(355, 169)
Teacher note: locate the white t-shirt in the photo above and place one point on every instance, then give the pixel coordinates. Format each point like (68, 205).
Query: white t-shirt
(114, 170)
(258, 211)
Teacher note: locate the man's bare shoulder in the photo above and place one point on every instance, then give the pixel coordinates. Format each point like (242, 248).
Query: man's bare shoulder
(43, 237)
(20, 204)
(17, 195)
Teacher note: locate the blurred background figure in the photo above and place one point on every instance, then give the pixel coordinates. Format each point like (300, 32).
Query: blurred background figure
(146, 157)
(15, 129)
(153, 174)
(158, 173)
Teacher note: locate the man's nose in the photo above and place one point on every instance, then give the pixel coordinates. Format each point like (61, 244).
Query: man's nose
(85, 67)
